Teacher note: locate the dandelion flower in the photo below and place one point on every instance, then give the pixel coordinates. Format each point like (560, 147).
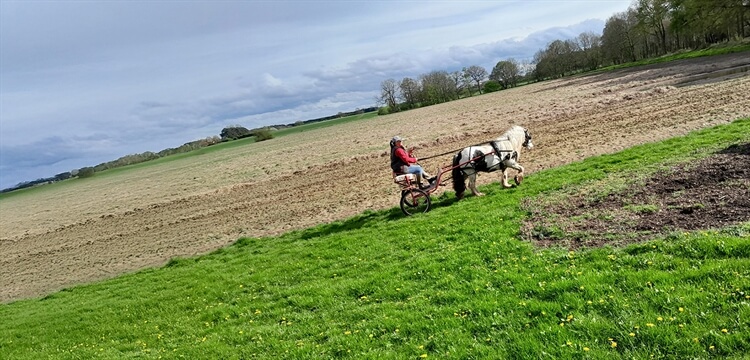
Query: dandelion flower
(586, 349)
(632, 334)
(423, 356)
(724, 331)
(660, 318)
(681, 309)
(614, 344)
(650, 325)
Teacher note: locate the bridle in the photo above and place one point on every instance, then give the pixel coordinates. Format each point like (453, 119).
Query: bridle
(528, 138)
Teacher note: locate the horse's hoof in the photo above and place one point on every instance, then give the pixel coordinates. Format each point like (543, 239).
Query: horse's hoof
(518, 179)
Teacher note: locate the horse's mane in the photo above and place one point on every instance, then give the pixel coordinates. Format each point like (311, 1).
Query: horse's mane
(516, 135)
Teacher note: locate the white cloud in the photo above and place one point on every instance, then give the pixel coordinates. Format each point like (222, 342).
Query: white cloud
(145, 76)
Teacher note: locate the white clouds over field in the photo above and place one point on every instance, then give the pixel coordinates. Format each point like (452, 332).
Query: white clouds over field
(83, 82)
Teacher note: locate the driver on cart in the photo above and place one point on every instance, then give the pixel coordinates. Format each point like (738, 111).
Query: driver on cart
(404, 162)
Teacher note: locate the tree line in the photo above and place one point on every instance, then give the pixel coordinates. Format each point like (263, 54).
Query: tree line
(648, 29)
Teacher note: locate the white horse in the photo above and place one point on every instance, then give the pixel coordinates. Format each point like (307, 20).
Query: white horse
(499, 154)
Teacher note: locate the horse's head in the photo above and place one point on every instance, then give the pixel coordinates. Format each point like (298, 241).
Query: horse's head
(527, 139)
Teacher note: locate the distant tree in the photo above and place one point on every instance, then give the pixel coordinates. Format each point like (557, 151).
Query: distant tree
(590, 45)
(559, 58)
(208, 141)
(492, 86)
(652, 16)
(437, 87)
(63, 176)
(477, 74)
(459, 82)
(234, 132)
(85, 172)
(618, 38)
(409, 92)
(388, 94)
(506, 73)
(262, 134)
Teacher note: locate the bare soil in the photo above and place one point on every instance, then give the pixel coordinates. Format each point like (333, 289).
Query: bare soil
(709, 194)
(90, 229)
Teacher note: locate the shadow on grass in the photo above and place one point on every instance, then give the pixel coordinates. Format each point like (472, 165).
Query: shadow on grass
(367, 219)
(371, 218)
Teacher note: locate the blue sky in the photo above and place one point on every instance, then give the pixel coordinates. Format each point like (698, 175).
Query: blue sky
(85, 82)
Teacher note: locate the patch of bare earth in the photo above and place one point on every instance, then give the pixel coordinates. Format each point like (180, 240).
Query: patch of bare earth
(708, 194)
(98, 228)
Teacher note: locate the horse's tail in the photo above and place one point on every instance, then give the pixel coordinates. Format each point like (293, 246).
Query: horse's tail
(459, 182)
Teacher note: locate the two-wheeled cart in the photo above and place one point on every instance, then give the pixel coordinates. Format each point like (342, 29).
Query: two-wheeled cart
(416, 199)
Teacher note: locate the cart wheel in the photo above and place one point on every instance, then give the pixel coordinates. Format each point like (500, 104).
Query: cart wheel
(414, 201)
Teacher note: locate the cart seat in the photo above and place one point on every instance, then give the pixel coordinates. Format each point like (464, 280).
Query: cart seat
(404, 180)
(404, 177)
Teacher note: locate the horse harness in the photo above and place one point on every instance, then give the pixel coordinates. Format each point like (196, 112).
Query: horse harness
(511, 155)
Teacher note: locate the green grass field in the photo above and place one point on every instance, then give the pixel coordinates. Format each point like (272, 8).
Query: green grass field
(202, 151)
(453, 283)
(718, 49)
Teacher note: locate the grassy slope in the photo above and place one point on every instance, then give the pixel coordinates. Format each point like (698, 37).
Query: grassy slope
(719, 49)
(455, 282)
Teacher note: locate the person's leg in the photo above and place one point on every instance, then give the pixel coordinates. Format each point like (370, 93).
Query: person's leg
(416, 170)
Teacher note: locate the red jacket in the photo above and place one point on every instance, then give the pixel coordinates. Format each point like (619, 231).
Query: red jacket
(404, 156)
(400, 158)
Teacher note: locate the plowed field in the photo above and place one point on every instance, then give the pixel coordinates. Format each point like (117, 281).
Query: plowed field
(97, 228)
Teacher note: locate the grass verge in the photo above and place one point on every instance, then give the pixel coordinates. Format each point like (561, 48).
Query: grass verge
(717, 49)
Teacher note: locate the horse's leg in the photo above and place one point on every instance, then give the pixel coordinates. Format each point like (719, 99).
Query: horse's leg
(519, 177)
(473, 185)
(505, 178)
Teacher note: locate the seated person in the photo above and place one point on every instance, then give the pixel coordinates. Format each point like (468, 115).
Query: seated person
(403, 162)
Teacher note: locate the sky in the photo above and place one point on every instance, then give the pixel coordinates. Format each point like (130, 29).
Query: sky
(86, 82)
